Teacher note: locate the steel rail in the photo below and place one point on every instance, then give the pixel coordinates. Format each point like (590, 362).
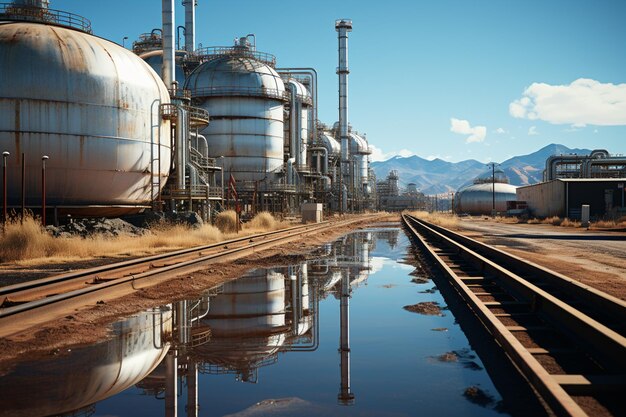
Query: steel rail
(19, 317)
(11, 289)
(606, 345)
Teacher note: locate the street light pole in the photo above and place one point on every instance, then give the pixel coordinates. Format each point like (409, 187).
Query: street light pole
(43, 189)
(222, 159)
(5, 154)
(493, 187)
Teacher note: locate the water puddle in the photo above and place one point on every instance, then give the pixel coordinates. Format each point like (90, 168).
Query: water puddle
(329, 337)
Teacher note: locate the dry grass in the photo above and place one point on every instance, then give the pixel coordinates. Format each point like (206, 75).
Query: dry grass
(442, 219)
(226, 221)
(569, 223)
(264, 222)
(30, 244)
(610, 224)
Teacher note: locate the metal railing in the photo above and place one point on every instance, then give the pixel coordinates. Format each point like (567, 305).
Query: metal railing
(214, 52)
(12, 12)
(200, 161)
(193, 191)
(240, 91)
(197, 116)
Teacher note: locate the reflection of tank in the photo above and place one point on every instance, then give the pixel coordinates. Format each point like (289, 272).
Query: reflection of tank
(90, 374)
(244, 95)
(88, 104)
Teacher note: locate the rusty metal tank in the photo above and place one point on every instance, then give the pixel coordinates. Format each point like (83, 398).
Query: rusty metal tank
(245, 97)
(87, 103)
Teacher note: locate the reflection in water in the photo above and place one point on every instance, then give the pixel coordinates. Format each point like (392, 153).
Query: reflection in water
(83, 376)
(235, 329)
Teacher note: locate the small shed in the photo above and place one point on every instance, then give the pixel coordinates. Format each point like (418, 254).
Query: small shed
(312, 212)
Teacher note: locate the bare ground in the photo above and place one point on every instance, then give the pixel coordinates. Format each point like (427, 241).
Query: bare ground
(595, 258)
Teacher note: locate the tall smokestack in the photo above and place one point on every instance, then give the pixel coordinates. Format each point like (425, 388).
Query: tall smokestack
(168, 69)
(190, 24)
(343, 26)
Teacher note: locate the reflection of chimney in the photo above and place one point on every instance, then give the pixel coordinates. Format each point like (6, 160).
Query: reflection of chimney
(171, 384)
(32, 3)
(192, 389)
(345, 397)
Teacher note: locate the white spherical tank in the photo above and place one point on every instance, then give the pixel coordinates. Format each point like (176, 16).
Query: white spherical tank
(245, 96)
(92, 107)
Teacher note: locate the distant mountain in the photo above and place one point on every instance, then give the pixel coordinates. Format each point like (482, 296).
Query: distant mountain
(439, 176)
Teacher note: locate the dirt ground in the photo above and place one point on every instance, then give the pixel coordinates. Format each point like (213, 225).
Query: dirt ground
(92, 323)
(595, 258)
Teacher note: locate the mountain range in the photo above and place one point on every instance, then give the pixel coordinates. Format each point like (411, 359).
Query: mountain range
(438, 176)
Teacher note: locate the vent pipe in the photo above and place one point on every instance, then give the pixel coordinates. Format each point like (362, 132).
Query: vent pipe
(168, 69)
(343, 26)
(190, 24)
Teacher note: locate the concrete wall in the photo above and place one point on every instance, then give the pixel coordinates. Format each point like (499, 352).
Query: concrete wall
(545, 199)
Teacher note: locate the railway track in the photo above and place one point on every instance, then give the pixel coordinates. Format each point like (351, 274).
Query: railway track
(567, 339)
(35, 302)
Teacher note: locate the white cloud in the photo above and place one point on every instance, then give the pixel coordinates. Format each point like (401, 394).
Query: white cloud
(378, 154)
(532, 131)
(500, 131)
(583, 102)
(463, 127)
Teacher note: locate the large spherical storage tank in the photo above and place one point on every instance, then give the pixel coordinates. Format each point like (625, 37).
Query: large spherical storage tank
(477, 198)
(92, 107)
(244, 96)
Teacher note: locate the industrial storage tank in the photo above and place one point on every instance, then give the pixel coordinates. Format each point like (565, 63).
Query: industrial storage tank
(149, 47)
(245, 97)
(360, 151)
(87, 103)
(478, 198)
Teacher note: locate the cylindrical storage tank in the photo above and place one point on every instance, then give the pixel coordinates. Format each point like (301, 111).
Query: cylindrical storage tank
(92, 107)
(477, 199)
(155, 60)
(245, 97)
(360, 149)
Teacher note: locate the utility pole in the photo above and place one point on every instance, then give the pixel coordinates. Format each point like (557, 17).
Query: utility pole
(493, 187)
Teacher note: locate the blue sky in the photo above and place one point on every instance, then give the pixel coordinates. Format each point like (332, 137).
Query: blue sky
(449, 78)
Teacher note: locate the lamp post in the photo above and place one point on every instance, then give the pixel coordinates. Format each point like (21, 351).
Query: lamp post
(493, 187)
(43, 189)
(5, 154)
(124, 41)
(222, 159)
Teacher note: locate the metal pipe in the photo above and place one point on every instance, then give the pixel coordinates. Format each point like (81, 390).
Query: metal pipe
(169, 56)
(345, 397)
(181, 151)
(43, 189)
(343, 26)
(171, 384)
(295, 117)
(23, 188)
(190, 24)
(5, 154)
(312, 73)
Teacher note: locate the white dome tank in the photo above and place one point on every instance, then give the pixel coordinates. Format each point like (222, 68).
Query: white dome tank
(478, 198)
(244, 96)
(91, 106)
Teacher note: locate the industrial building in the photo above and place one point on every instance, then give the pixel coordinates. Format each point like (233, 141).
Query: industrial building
(390, 198)
(489, 192)
(571, 181)
(171, 127)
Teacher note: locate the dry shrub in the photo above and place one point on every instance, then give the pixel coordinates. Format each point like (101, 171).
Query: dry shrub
(610, 224)
(554, 221)
(441, 219)
(570, 223)
(534, 221)
(263, 221)
(226, 221)
(30, 244)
